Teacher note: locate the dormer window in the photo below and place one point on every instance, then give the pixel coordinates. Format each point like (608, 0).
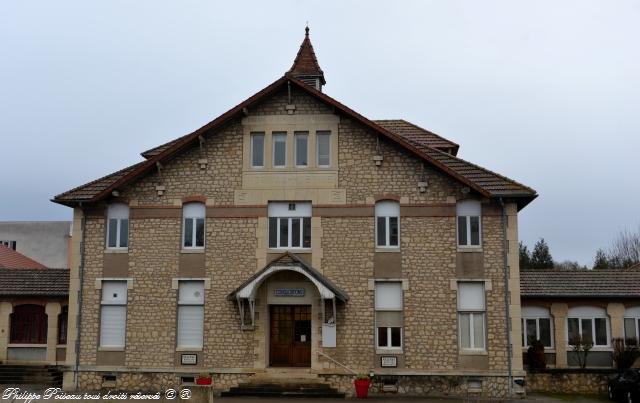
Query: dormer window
(118, 226)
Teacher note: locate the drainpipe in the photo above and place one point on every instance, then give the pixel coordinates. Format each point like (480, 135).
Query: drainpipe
(505, 247)
(79, 321)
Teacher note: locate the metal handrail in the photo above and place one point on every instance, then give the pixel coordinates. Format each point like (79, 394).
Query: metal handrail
(337, 362)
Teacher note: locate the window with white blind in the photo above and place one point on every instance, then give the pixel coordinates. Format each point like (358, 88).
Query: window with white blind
(193, 225)
(632, 324)
(190, 314)
(289, 225)
(387, 224)
(389, 316)
(257, 150)
(113, 314)
(118, 226)
(537, 324)
(471, 315)
(588, 323)
(468, 219)
(323, 148)
(279, 144)
(302, 148)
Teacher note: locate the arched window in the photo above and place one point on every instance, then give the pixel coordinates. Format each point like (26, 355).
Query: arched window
(62, 325)
(193, 225)
(28, 324)
(468, 213)
(387, 224)
(118, 226)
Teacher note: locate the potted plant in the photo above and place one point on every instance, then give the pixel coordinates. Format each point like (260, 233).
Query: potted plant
(362, 383)
(203, 379)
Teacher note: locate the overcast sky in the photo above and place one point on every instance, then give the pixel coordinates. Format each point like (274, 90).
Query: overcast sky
(545, 92)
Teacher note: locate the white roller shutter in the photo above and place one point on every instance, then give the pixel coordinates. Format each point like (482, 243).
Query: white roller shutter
(113, 320)
(190, 326)
(114, 292)
(471, 296)
(191, 292)
(388, 296)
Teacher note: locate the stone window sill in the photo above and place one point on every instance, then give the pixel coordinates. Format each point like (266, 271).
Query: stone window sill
(110, 348)
(190, 251)
(389, 351)
(388, 250)
(116, 250)
(469, 249)
(188, 349)
(472, 352)
(26, 345)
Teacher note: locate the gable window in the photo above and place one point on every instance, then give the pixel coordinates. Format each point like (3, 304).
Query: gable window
(389, 305)
(468, 215)
(190, 314)
(279, 140)
(9, 244)
(588, 323)
(323, 148)
(471, 315)
(632, 324)
(257, 150)
(193, 225)
(118, 226)
(536, 325)
(387, 224)
(302, 149)
(113, 314)
(289, 225)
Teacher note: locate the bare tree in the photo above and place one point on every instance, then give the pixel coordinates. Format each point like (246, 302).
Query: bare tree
(626, 248)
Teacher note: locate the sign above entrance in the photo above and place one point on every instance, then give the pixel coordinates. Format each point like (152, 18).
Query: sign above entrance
(289, 292)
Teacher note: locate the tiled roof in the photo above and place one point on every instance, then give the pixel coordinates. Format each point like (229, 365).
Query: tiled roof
(483, 181)
(11, 259)
(580, 283)
(417, 134)
(34, 282)
(306, 63)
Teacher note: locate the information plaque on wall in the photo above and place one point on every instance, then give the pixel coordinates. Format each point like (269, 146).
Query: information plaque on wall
(388, 361)
(289, 292)
(189, 359)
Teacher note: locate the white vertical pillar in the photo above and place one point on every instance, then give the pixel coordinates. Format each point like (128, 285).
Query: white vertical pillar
(52, 310)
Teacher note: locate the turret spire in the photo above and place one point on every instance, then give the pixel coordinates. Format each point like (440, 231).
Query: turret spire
(305, 66)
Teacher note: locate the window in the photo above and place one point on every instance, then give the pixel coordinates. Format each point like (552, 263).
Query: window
(632, 324)
(9, 244)
(193, 226)
(389, 318)
(302, 152)
(279, 140)
(113, 315)
(471, 315)
(589, 323)
(190, 314)
(468, 213)
(63, 318)
(289, 225)
(257, 150)
(387, 224)
(118, 226)
(537, 325)
(323, 148)
(28, 324)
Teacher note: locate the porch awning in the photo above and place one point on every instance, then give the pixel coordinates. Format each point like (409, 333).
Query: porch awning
(288, 261)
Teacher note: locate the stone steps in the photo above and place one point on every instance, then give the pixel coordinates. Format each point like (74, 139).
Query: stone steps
(30, 375)
(286, 389)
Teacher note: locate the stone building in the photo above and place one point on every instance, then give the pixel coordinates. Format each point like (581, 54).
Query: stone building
(292, 237)
(47, 242)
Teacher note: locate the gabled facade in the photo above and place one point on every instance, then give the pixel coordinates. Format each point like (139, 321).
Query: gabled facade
(292, 232)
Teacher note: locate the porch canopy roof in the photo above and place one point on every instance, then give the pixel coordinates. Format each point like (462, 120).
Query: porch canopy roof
(289, 261)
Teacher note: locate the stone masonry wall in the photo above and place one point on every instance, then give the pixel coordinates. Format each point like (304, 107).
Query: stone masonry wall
(582, 383)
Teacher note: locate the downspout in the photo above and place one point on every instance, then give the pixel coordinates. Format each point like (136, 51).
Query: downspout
(505, 246)
(79, 319)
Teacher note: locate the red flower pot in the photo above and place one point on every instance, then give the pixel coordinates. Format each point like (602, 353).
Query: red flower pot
(203, 380)
(362, 388)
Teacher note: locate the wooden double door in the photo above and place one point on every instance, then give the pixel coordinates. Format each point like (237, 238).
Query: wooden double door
(290, 336)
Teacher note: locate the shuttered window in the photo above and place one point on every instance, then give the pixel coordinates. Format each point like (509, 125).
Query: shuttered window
(191, 314)
(113, 314)
(389, 315)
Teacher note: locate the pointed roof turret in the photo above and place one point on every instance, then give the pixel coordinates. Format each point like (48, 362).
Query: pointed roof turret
(305, 66)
